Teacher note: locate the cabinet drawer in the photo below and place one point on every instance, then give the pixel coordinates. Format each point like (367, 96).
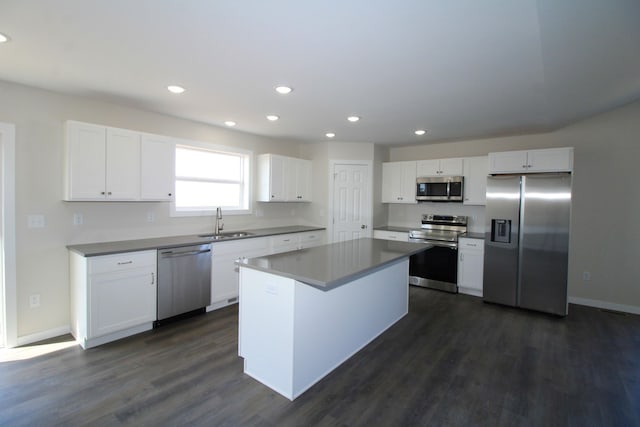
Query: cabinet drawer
(311, 237)
(467, 243)
(391, 235)
(121, 262)
(284, 240)
(241, 246)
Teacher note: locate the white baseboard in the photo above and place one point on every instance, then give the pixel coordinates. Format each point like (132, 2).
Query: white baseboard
(44, 335)
(604, 304)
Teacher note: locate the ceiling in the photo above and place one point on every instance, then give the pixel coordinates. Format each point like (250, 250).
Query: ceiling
(458, 68)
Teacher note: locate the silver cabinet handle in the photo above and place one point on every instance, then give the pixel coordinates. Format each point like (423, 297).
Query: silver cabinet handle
(153, 278)
(125, 262)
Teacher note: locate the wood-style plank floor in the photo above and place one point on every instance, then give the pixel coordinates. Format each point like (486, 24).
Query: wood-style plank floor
(451, 361)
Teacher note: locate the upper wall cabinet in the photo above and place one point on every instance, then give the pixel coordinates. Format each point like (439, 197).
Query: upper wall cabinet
(111, 164)
(476, 170)
(101, 163)
(439, 167)
(157, 168)
(547, 160)
(399, 182)
(283, 179)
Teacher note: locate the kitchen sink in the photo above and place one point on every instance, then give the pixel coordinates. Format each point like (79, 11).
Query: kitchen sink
(229, 235)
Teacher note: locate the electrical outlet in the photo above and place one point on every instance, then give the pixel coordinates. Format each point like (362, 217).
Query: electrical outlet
(78, 219)
(151, 216)
(35, 221)
(34, 301)
(586, 276)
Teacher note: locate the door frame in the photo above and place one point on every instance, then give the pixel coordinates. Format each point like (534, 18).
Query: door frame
(332, 165)
(8, 299)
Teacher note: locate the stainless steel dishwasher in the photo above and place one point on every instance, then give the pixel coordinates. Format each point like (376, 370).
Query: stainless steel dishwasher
(184, 280)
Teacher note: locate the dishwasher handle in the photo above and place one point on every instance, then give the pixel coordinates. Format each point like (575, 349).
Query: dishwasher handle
(171, 254)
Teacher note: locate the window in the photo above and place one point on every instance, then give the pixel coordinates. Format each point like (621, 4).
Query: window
(208, 177)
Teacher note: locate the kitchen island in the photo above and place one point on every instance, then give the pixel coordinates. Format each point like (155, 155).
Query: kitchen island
(303, 313)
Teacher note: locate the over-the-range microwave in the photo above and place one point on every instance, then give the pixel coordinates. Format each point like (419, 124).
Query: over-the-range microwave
(440, 189)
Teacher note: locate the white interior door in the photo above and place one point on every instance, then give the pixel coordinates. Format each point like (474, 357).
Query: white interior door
(352, 210)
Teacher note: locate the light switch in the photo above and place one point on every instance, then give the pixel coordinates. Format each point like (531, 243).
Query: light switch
(35, 221)
(78, 219)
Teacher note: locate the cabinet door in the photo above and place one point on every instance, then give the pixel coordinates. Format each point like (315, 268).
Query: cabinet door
(302, 179)
(390, 179)
(123, 164)
(86, 160)
(428, 168)
(399, 182)
(407, 182)
(470, 266)
(224, 271)
(277, 178)
(157, 168)
(121, 300)
(508, 162)
(551, 160)
(451, 167)
(476, 170)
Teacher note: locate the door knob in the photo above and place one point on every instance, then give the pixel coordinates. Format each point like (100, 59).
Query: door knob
(363, 226)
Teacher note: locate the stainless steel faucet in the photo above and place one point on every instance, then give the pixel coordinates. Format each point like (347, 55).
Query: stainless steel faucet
(219, 223)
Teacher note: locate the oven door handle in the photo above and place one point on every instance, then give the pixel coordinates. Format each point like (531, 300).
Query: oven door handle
(451, 245)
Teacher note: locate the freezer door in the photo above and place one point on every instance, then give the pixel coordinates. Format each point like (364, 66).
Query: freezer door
(544, 242)
(501, 239)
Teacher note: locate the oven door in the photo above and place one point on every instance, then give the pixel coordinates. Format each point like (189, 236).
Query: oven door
(435, 268)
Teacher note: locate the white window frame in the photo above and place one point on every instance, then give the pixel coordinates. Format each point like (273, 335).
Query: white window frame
(247, 181)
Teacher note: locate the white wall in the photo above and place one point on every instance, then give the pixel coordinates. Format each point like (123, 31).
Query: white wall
(605, 206)
(42, 259)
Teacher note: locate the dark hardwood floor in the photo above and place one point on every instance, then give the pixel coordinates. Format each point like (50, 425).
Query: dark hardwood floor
(451, 361)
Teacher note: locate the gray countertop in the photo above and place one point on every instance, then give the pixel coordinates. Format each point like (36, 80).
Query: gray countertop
(109, 248)
(328, 266)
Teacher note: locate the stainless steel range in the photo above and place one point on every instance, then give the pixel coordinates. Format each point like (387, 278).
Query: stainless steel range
(437, 267)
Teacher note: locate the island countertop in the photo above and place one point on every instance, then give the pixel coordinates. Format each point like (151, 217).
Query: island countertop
(328, 266)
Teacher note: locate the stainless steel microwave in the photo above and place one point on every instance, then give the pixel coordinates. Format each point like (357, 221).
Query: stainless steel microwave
(440, 189)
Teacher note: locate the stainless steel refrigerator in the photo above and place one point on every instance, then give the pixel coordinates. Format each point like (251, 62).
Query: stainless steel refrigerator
(527, 241)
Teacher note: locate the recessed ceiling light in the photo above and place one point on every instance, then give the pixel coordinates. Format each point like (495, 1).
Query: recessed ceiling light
(353, 119)
(230, 123)
(420, 132)
(3, 38)
(175, 89)
(283, 90)
(272, 117)
(330, 135)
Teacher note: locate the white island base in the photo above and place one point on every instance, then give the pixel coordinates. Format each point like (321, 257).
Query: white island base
(292, 334)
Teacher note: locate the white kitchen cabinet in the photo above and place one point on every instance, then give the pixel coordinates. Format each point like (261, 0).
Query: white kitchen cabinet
(101, 163)
(112, 296)
(157, 168)
(399, 182)
(224, 271)
(283, 179)
(470, 266)
(545, 160)
(476, 170)
(310, 239)
(439, 167)
(391, 235)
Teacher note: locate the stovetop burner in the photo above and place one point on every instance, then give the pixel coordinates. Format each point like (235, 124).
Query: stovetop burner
(440, 228)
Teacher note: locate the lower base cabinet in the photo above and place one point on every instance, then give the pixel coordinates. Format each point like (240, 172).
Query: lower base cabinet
(470, 266)
(224, 271)
(112, 296)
